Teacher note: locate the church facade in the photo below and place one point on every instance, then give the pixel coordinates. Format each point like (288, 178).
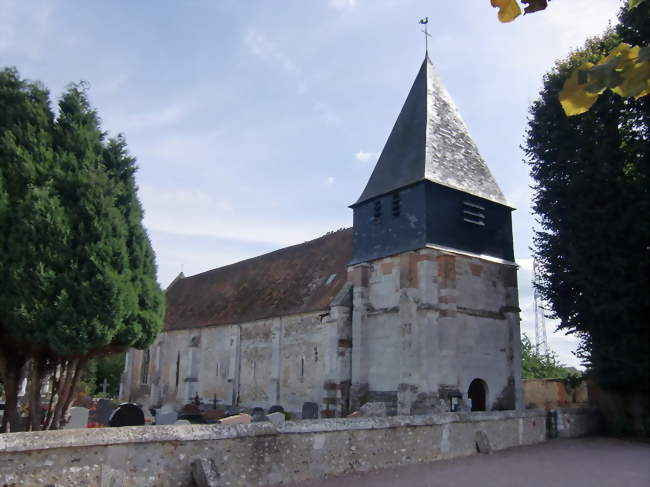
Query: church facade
(415, 306)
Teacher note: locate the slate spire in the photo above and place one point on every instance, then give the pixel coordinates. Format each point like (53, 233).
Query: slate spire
(430, 141)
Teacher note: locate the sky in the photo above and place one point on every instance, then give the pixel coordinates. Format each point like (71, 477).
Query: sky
(256, 123)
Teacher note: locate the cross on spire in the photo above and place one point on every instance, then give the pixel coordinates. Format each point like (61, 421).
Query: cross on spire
(425, 22)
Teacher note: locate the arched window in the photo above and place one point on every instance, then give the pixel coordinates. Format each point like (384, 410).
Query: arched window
(144, 370)
(477, 394)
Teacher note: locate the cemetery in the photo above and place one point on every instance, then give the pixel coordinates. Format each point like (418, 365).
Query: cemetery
(262, 448)
(202, 443)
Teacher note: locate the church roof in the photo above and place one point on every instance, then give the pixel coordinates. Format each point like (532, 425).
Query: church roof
(430, 141)
(296, 279)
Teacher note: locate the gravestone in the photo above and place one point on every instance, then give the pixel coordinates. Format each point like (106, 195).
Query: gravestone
(127, 414)
(310, 410)
(373, 410)
(103, 411)
(276, 409)
(168, 417)
(276, 418)
(242, 418)
(213, 415)
(483, 442)
(190, 411)
(258, 416)
(78, 418)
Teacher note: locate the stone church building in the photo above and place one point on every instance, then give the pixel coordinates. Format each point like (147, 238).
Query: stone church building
(415, 306)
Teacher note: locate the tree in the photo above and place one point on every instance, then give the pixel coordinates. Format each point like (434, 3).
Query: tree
(592, 182)
(537, 365)
(31, 219)
(624, 69)
(107, 367)
(77, 278)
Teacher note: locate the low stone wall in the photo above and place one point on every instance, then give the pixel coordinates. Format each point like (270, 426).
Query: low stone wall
(258, 453)
(570, 423)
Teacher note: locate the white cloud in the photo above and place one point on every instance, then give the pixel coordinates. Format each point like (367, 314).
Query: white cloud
(366, 156)
(343, 4)
(261, 46)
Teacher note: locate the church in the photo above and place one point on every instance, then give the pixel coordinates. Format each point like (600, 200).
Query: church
(414, 307)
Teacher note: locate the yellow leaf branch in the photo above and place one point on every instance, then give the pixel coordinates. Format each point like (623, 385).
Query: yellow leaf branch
(625, 71)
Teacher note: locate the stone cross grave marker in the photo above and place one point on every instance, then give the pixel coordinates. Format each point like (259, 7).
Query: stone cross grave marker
(78, 418)
(104, 386)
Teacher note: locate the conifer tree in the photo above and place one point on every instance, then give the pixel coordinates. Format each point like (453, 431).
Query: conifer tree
(78, 276)
(592, 195)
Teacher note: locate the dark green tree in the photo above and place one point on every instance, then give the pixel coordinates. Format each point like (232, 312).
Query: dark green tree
(78, 277)
(31, 219)
(592, 182)
(107, 367)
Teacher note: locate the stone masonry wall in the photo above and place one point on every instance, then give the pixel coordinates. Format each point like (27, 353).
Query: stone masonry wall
(285, 360)
(428, 323)
(258, 453)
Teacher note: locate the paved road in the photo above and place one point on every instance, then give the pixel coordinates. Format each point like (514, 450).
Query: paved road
(588, 462)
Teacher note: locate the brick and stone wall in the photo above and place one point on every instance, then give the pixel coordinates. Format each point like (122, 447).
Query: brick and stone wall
(554, 393)
(431, 321)
(260, 453)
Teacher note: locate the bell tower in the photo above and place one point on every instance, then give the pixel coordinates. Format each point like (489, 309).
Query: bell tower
(430, 185)
(435, 320)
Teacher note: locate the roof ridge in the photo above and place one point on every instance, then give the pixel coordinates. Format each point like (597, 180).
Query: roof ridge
(329, 234)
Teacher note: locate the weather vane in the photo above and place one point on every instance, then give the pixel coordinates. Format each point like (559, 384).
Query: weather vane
(424, 22)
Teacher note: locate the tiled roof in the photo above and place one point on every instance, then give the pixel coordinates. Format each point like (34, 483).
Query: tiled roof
(430, 141)
(296, 279)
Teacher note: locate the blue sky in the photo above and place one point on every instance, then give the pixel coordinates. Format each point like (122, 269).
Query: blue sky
(256, 123)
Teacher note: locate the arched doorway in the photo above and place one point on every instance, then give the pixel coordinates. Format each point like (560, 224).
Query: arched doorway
(477, 393)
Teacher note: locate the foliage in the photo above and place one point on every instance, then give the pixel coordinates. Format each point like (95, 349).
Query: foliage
(108, 367)
(509, 10)
(625, 69)
(77, 271)
(536, 365)
(592, 181)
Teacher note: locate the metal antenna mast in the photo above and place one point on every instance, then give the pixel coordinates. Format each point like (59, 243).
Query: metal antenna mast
(541, 345)
(424, 22)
